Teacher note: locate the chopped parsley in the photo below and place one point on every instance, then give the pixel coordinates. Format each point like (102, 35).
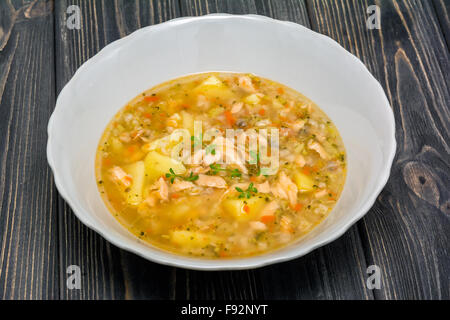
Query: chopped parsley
(216, 168)
(172, 175)
(251, 191)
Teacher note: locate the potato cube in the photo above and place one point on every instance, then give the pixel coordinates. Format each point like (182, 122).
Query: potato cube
(116, 145)
(191, 239)
(157, 165)
(253, 99)
(303, 182)
(244, 209)
(137, 172)
(212, 81)
(214, 88)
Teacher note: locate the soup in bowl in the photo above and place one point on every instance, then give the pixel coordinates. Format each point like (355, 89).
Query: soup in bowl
(220, 165)
(194, 204)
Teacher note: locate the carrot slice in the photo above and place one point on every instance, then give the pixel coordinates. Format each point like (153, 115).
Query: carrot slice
(128, 178)
(151, 98)
(106, 162)
(246, 208)
(306, 170)
(262, 112)
(267, 219)
(230, 119)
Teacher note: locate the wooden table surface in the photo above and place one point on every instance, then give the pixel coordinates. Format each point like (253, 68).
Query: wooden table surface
(406, 233)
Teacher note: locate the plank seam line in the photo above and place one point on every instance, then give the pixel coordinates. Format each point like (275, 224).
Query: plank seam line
(56, 197)
(308, 13)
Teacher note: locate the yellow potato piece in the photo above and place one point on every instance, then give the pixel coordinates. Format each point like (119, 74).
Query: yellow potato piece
(303, 182)
(116, 145)
(253, 99)
(137, 172)
(212, 81)
(191, 239)
(213, 87)
(236, 207)
(157, 165)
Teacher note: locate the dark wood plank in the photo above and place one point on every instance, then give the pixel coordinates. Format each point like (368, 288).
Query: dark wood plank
(407, 231)
(337, 271)
(442, 8)
(28, 215)
(108, 273)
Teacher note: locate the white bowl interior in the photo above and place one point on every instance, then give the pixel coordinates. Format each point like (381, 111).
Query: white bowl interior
(288, 53)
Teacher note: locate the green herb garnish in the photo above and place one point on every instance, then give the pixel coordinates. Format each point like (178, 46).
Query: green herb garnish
(216, 168)
(251, 190)
(235, 173)
(172, 175)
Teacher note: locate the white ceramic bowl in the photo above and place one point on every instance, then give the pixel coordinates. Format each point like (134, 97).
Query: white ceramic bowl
(285, 52)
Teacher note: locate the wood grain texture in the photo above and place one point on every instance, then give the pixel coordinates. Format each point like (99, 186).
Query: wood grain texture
(28, 215)
(108, 273)
(442, 8)
(407, 231)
